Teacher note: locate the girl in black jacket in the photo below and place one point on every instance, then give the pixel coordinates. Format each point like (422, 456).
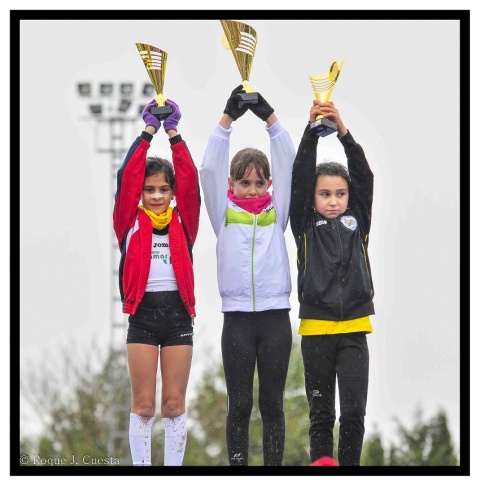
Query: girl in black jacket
(330, 216)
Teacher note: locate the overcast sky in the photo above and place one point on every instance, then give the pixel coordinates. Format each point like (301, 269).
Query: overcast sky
(398, 95)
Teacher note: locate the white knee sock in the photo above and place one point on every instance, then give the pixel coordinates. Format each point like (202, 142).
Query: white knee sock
(140, 438)
(175, 440)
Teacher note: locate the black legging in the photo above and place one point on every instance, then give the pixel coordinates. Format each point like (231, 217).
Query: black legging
(327, 358)
(262, 338)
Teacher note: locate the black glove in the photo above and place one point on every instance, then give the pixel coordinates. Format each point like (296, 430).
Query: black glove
(262, 109)
(232, 108)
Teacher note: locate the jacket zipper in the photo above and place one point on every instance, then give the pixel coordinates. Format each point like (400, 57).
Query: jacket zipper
(253, 259)
(335, 225)
(305, 258)
(366, 268)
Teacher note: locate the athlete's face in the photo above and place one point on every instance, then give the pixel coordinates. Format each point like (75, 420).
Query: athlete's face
(157, 194)
(250, 185)
(331, 196)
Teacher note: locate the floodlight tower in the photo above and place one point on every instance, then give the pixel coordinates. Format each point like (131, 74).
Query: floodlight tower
(109, 110)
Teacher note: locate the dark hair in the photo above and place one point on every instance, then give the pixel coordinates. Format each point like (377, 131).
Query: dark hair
(156, 165)
(332, 169)
(249, 157)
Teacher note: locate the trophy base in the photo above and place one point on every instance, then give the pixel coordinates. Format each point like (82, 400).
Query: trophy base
(248, 99)
(161, 112)
(323, 127)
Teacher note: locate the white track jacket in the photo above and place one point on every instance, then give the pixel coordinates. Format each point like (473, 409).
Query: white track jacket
(253, 270)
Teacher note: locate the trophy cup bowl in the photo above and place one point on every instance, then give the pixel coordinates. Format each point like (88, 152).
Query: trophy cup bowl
(155, 61)
(241, 39)
(323, 85)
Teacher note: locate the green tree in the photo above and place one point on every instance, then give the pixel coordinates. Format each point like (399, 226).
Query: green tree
(72, 400)
(297, 421)
(206, 437)
(442, 450)
(427, 443)
(373, 452)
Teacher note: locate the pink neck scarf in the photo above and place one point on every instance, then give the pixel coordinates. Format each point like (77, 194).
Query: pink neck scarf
(253, 205)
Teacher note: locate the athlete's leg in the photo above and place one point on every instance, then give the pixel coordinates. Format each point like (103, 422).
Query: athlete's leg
(318, 354)
(142, 365)
(175, 363)
(273, 351)
(239, 355)
(352, 372)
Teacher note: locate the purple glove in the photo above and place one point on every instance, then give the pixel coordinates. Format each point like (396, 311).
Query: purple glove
(172, 120)
(150, 119)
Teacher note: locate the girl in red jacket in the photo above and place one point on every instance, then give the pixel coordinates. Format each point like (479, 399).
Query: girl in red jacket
(156, 281)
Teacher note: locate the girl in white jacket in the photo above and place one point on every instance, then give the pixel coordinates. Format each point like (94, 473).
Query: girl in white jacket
(253, 273)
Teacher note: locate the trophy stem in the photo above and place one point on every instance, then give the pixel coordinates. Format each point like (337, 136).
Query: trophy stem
(162, 110)
(250, 97)
(160, 99)
(246, 86)
(322, 126)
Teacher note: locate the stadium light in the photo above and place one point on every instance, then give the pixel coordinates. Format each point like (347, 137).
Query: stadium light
(126, 89)
(124, 105)
(106, 89)
(84, 89)
(148, 90)
(96, 109)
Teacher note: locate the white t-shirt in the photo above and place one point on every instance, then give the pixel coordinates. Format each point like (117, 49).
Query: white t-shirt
(161, 276)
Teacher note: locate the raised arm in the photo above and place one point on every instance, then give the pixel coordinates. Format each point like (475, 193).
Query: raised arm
(214, 168)
(130, 179)
(187, 190)
(282, 154)
(303, 178)
(361, 187)
(131, 176)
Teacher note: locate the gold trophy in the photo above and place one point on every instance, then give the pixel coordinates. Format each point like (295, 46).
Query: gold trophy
(241, 39)
(323, 85)
(155, 61)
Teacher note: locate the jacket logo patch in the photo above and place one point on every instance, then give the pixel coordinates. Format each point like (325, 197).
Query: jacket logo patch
(318, 223)
(349, 222)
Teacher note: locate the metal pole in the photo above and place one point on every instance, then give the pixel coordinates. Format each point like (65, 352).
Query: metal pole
(119, 403)
(119, 383)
